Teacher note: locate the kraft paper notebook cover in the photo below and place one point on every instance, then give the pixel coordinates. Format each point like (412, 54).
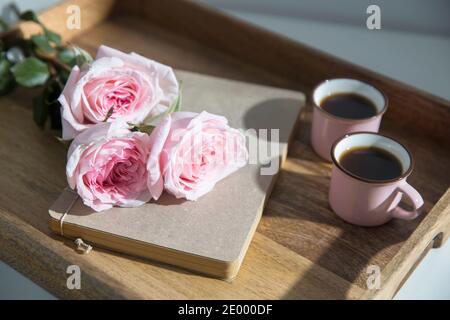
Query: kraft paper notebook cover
(212, 234)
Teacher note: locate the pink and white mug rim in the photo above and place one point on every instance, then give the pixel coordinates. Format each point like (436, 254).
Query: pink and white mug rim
(316, 104)
(403, 176)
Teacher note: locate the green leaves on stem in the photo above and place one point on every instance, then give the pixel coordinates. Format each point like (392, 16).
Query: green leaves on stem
(145, 128)
(31, 72)
(42, 60)
(74, 56)
(29, 16)
(7, 83)
(42, 43)
(49, 35)
(46, 106)
(52, 36)
(174, 107)
(3, 25)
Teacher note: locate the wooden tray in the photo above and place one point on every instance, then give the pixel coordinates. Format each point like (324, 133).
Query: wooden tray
(301, 249)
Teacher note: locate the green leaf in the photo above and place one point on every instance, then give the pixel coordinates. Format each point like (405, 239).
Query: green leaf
(3, 25)
(30, 72)
(52, 36)
(63, 76)
(29, 15)
(55, 116)
(40, 111)
(67, 56)
(148, 129)
(50, 98)
(82, 56)
(4, 66)
(74, 56)
(145, 128)
(42, 42)
(176, 105)
(7, 82)
(46, 106)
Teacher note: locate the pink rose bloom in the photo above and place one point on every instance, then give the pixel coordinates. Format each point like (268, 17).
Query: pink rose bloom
(191, 152)
(116, 85)
(107, 166)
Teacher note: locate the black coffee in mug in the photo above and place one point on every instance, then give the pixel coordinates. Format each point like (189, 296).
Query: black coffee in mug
(349, 105)
(371, 163)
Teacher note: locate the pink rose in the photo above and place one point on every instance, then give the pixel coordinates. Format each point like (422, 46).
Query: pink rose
(191, 152)
(107, 166)
(116, 85)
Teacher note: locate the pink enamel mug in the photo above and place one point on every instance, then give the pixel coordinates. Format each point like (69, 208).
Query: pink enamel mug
(326, 128)
(368, 202)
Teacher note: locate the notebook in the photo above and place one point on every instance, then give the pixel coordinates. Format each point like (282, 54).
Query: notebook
(210, 235)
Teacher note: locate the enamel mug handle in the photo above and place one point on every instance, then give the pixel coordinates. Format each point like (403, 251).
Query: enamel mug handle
(415, 198)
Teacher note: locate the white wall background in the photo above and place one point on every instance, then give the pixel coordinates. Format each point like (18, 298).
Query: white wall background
(413, 44)
(418, 16)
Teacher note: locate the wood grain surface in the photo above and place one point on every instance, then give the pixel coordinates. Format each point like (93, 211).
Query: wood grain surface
(301, 249)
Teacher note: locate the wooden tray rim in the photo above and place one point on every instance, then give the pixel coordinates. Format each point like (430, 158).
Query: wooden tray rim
(54, 18)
